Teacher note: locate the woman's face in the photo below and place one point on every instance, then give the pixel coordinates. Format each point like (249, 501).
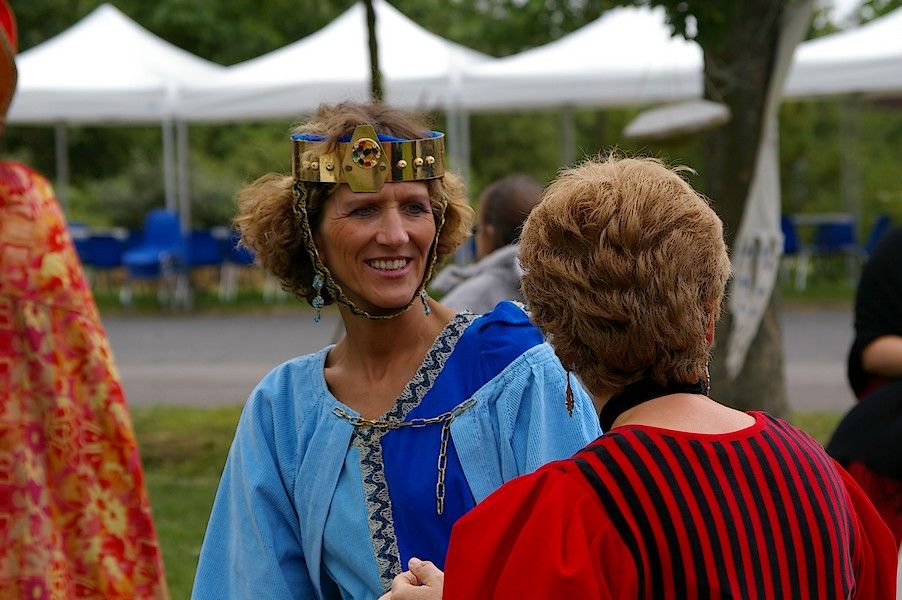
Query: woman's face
(376, 244)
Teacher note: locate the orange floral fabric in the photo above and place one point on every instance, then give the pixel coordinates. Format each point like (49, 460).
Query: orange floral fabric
(75, 518)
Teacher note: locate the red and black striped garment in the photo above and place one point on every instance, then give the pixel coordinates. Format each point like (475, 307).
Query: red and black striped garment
(644, 512)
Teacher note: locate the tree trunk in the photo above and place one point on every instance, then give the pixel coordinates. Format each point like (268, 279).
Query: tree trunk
(739, 60)
(376, 92)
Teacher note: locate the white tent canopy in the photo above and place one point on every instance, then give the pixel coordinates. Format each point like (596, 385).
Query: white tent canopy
(104, 69)
(419, 69)
(628, 56)
(866, 59)
(108, 69)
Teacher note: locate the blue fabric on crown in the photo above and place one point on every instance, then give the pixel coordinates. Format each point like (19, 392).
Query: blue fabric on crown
(313, 137)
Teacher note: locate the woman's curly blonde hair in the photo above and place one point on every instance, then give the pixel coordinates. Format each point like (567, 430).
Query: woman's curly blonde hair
(625, 265)
(266, 218)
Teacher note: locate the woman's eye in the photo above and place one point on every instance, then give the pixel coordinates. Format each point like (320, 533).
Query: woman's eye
(364, 211)
(417, 208)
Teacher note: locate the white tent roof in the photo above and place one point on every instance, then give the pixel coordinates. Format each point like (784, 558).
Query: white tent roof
(105, 68)
(626, 57)
(866, 59)
(419, 69)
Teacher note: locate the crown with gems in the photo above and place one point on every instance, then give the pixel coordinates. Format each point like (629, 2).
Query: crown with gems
(366, 160)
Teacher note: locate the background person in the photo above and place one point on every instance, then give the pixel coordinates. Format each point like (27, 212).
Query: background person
(75, 519)
(349, 461)
(495, 276)
(624, 269)
(867, 440)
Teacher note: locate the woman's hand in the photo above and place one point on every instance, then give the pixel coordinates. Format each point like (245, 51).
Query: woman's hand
(424, 581)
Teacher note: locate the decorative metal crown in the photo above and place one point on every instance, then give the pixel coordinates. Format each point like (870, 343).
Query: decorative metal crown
(367, 160)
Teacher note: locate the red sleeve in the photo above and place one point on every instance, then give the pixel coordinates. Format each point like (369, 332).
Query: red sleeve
(543, 535)
(876, 554)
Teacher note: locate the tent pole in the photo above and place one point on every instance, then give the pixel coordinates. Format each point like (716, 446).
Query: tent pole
(169, 184)
(567, 135)
(452, 140)
(464, 146)
(850, 171)
(184, 202)
(61, 143)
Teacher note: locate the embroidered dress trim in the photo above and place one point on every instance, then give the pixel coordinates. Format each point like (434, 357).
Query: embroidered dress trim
(368, 442)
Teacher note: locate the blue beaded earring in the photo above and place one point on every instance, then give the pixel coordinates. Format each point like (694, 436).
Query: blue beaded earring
(318, 301)
(425, 298)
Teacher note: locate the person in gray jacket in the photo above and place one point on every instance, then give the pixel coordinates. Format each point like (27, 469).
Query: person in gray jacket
(495, 276)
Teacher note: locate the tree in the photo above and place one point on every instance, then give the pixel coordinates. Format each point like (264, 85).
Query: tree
(739, 43)
(376, 92)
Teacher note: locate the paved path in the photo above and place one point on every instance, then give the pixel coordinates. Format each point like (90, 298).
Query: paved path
(209, 360)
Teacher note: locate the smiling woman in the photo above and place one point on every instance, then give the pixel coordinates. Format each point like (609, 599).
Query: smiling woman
(351, 460)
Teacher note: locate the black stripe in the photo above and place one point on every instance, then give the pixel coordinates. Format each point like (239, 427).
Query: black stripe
(704, 590)
(825, 481)
(788, 548)
(681, 582)
(637, 513)
(744, 513)
(763, 515)
(839, 490)
(804, 527)
(616, 516)
(835, 481)
(730, 532)
(661, 511)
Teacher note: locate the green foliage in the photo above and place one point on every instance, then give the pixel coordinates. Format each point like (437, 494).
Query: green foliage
(502, 27)
(116, 172)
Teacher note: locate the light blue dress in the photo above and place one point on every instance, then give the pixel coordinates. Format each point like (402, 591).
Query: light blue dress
(314, 503)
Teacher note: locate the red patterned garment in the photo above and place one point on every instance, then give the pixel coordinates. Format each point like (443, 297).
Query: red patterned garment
(75, 518)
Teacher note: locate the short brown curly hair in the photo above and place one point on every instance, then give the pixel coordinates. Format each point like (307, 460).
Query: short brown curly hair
(269, 227)
(624, 266)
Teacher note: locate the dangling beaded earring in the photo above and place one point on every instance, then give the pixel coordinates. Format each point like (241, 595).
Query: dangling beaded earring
(569, 400)
(707, 383)
(425, 298)
(318, 301)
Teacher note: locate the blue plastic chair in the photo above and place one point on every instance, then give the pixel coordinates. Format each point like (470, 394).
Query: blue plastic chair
(835, 238)
(237, 258)
(878, 230)
(839, 239)
(79, 232)
(795, 253)
(205, 249)
(103, 251)
(160, 255)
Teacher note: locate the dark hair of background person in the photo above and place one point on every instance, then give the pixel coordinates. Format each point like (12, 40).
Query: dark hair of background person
(506, 203)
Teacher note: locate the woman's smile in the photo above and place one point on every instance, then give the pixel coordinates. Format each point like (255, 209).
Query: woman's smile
(390, 266)
(377, 244)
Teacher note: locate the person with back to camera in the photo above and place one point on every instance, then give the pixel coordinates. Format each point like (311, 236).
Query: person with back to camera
(503, 207)
(351, 460)
(868, 441)
(75, 517)
(624, 270)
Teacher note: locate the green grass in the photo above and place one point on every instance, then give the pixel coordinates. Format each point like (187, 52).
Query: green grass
(184, 449)
(819, 425)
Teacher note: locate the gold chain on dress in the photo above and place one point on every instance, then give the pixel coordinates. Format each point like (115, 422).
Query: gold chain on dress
(445, 419)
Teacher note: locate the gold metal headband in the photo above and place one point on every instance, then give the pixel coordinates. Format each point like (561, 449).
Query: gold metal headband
(365, 163)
